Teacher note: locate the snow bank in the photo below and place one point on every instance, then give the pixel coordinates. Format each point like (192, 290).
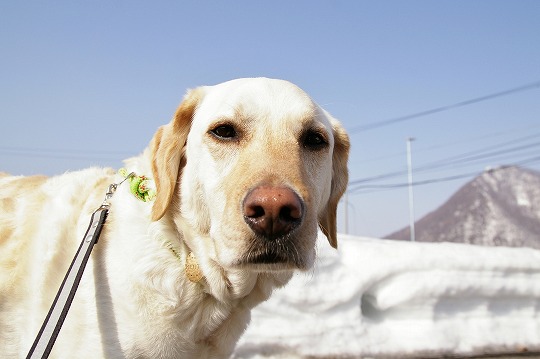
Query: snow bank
(377, 297)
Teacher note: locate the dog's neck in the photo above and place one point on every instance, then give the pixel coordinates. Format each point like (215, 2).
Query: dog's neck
(209, 311)
(221, 283)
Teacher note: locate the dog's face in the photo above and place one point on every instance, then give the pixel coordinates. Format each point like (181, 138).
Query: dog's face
(254, 166)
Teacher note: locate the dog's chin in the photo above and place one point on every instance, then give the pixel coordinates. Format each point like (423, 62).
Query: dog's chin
(265, 263)
(277, 254)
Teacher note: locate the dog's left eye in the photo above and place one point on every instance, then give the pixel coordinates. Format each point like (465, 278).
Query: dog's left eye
(226, 132)
(314, 140)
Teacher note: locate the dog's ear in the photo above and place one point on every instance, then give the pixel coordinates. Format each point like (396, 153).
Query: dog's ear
(167, 149)
(340, 178)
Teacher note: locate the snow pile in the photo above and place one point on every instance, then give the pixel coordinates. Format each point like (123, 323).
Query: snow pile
(377, 297)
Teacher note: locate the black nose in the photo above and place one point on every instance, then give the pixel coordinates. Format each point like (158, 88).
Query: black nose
(272, 211)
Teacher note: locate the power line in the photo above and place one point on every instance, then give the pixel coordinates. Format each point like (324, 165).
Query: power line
(417, 183)
(375, 187)
(499, 152)
(62, 154)
(374, 125)
(489, 152)
(473, 157)
(459, 142)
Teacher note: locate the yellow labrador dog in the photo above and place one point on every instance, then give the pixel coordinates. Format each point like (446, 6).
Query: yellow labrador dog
(245, 173)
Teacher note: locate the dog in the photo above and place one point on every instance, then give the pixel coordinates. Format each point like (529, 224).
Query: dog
(244, 175)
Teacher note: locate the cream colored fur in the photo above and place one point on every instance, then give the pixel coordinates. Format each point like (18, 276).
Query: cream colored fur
(134, 300)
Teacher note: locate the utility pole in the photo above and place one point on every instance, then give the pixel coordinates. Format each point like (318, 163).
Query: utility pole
(411, 196)
(346, 212)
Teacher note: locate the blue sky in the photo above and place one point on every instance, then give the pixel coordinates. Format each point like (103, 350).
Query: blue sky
(88, 83)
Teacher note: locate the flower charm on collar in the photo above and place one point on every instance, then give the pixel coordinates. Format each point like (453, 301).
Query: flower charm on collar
(142, 187)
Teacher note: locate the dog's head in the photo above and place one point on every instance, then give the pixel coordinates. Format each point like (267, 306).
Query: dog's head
(253, 167)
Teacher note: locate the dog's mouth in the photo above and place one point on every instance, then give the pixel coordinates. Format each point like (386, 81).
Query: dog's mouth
(273, 254)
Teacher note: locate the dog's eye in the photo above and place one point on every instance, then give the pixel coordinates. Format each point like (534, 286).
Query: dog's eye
(224, 132)
(314, 140)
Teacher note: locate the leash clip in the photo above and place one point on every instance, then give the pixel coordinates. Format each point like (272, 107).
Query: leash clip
(105, 205)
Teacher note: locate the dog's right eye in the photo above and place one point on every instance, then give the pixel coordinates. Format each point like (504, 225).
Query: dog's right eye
(225, 132)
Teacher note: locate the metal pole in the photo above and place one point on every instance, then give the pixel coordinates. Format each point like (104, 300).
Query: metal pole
(411, 196)
(346, 212)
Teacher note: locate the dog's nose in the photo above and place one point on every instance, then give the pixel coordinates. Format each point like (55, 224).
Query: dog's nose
(272, 211)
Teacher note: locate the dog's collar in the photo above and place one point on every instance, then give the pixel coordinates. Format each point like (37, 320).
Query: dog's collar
(142, 187)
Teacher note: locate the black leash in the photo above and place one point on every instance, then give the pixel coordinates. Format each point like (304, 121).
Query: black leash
(57, 314)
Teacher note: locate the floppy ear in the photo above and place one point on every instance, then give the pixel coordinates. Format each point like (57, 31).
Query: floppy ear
(167, 149)
(340, 178)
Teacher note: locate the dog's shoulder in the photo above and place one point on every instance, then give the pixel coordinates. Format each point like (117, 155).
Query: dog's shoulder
(41, 221)
(33, 206)
(37, 213)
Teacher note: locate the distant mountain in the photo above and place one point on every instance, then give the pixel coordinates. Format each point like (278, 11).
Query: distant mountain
(501, 207)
